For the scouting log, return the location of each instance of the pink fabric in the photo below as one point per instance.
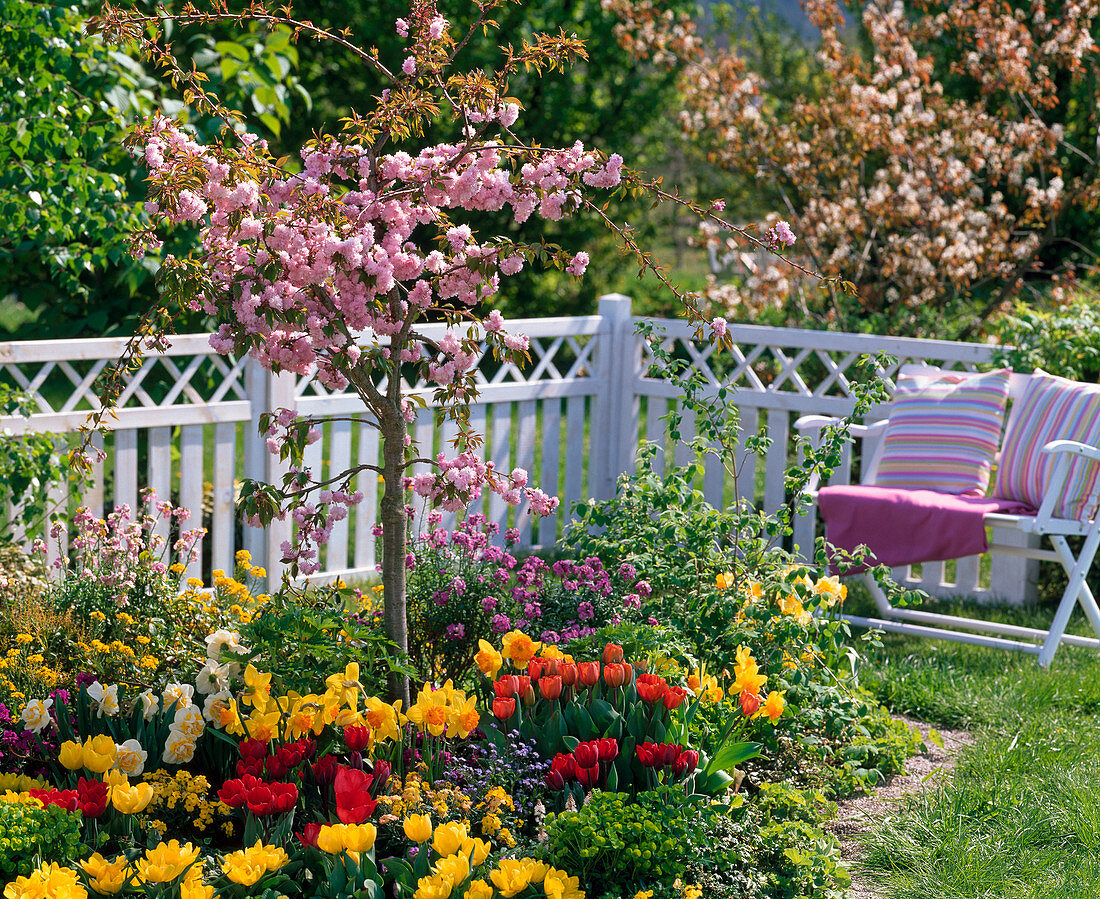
(902, 527)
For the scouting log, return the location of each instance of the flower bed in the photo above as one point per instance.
(164, 739)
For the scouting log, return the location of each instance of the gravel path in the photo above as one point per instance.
(856, 817)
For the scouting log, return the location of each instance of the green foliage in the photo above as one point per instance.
(29, 465)
(1064, 341)
(29, 835)
(611, 842)
(70, 194)
(304, 633)
(611, 101)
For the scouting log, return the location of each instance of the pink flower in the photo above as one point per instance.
(409, 65)
(578, 265)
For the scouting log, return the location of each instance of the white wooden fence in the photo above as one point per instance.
(187, 425)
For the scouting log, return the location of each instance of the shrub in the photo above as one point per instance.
(29, 832)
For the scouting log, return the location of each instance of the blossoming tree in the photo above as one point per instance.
(330, 267)
(942, 164)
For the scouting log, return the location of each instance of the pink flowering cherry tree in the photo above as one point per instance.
(328, 267)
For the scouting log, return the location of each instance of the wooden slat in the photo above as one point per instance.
(424, 435)
(574, 450)
(655, 430)
(192, 472)
(93, 495)
(366, 513)
(448, 431)
(525, 459)
(222, 521)
(551, 458)
(160, 474)
(339, 461)
(746, 461)
(683, 452)
(126, 469)
(501, 455)
(479, 424)
(776, 466)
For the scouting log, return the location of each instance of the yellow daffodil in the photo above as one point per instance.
(463, 716)
(746, 673)
(488, 659)
(773, 706)
(519, 648)
(431, 711)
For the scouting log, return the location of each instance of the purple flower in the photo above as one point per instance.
(585, 611)
(501, 624)
(488, 604)
(456, 631)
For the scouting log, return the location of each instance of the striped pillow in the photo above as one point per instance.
(944, 432)
(1052, 408)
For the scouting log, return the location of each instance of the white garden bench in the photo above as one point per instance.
(1043, 524)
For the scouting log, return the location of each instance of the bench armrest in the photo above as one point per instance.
(817, 422)
(1064, 450)
(1074, 448)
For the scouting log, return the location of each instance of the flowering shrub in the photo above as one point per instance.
(30, 829)
(120, 563)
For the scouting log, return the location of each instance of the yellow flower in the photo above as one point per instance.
(559, 885)
(512, 876)
(692, 892)
(831, 590)
(71, 755)
(455, 868)
(644, 894)
(192, 886)
(463, 716)
(106, 878)
(257, 686)
(431, 710)
(99, 753)
(177, 568)
(50, 880)
(418, 828)
(476, 851)
(132, 800)
(725, 580)
(166, 862)
(359, 837)
(343, 688)
(773, 706)
(247, 866)
(434, 886)
(330, 838)
(24, 639)
(518, 647)
(488, 659)
(449, 838)
(478, 889)
(746, 673)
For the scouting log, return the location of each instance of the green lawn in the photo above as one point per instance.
(1021, 815)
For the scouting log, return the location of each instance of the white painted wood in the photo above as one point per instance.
(683, 453)
(192, 472)
(223, 521)
(527, 426)
(551, 459)
(423, 433)
(775, 467)
(160, 475)
(93, 495)
(479, 424)
(126, 470)
(745, 461)
(501, 455)
(339, 461)
(366, 512)
(655, 431)
(574, 450)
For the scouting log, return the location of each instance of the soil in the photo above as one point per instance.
(857, 817)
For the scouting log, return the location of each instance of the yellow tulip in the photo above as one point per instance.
(359, 837)
(330, 838)
(99, 753)
(418, 828)
(132, 800)
(449, 838)
(71, 755)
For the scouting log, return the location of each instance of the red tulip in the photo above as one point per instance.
(354, 804)
(568, 673)
(687, 762)
(750, 703)
(308, 834)
(233, 792)
(554, 781)
(324, 769)
(535, 668)
(669, 752)
(607, 748)
(565, 765)
(504, 709)
(550, 686)
(381, 771)
(612, 654)
(616, 674)
(588, 777)
(588, 673)
(506, 686)
(647, 755)
(651, 687)
(674, 697)
(357, 737)
(587, 754)
(91, 797)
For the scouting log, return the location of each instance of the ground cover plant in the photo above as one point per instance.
(1019, 816)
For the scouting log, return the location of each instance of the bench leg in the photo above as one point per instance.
(1076, 591)
(882, 603)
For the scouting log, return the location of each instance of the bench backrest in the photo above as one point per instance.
(1017, 385)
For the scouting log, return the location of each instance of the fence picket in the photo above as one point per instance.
(366, 513)
(525, 459)
(191, 484)
(551, 454)
(223, 536)
(126, 468)
(502, 443)
(339, 461)
(160, 473)
(775, 467)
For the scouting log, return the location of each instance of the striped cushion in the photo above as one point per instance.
(944, 432)
(1052, 408)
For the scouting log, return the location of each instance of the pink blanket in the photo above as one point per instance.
(902, 527)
